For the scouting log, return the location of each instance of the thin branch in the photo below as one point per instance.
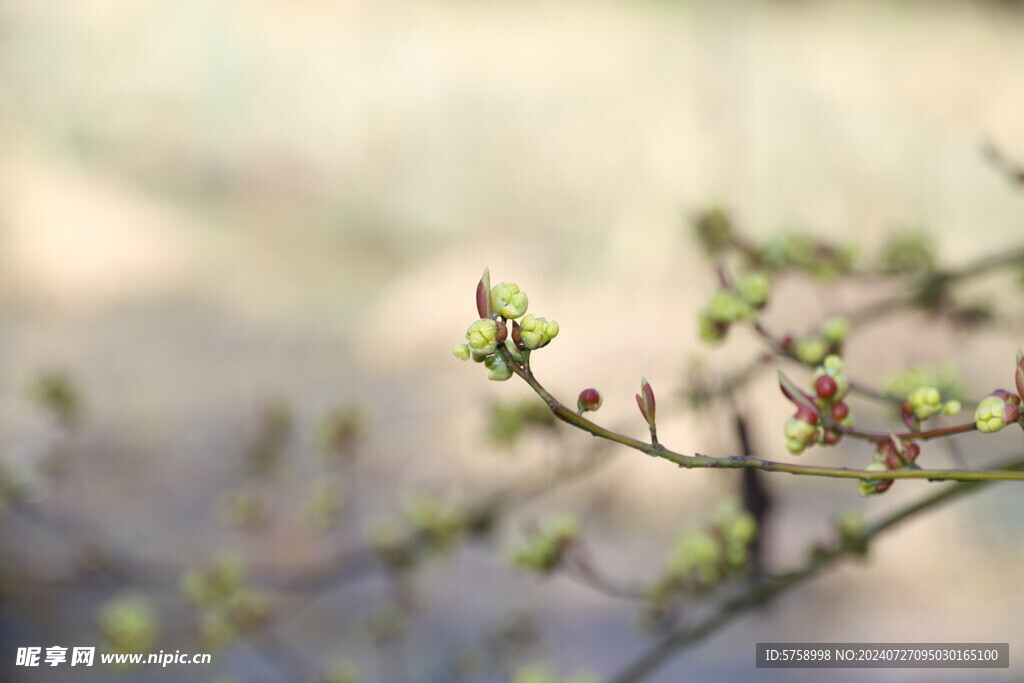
(699, 461)
(762, 593)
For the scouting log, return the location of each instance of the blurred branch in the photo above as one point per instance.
(1011, 169)
(771, 588)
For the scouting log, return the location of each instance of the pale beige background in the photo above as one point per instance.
(204, 204)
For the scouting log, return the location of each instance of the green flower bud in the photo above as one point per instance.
(461, 351)
(994, 413)
(544, 551)
(483, 336)
(833, 365)
(710, 330)
(499, 369)
(870, 488)
(537, 332)
(726, 307)
(129, 623)
(697, 554)
(951, 407)
(800, 434)
(925, 402)
(754, 288)
(508, 301)
(834, 330)
(810, 350)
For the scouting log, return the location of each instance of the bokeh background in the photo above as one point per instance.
(210, 208)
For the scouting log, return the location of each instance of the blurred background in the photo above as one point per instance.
(238, 240)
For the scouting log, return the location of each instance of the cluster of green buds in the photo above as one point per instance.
(798, 252)
(926, 402)
(128, 623)
(735, 304)
(806, 428)
(890, 454)
(489, 340)
(228, 606)
(433, 526)
(546, 548)
(998, 409)
(704, 557)
(540, 673)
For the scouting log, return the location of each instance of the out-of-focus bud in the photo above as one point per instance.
(925, 402)
(537, 332)
(839, 410)
(714, 230)
(508, 301)
(588, 401)
(995, 412)
(801, 430)
(870, 488)
(754, 288)
(829, 377)
(834, 330)
(708, 329)
(825, 386)
(461, 351)
(951, 407)
(499, 369)
(810, 350)
(726, 307)
(483, 336)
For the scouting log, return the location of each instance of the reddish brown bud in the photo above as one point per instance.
(907, 415)
(517, 336)
(1006, 396)
(825, 386)
(805, 414)
(886, 448)
(883, 486)
(893, 461)
(831, 437)
(911, 452)
(1010, 413)
(502, 331)
(589, 400)
(839, 411)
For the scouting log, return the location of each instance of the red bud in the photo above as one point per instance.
(1006, 396)
(831, 437)
(517, 336)
(589, 400)
(1010, 413)
(502, 331)
(825, 386)
(839, 411)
